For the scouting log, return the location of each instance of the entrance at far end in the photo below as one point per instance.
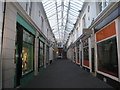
(62, 53)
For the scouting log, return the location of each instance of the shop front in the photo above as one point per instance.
(107, 48)
(85, 53)
(47, 55)
(78, 52)
(24, 52)
(41, 53)
(86, 49)
(74, 54)
(107, 53)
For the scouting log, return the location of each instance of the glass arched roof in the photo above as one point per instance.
(62, 16)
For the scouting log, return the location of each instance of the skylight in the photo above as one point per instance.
(62, 15)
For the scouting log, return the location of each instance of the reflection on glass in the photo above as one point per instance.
(41, 53)
(74, 54)
(86, 53)
(25, 59)
(47, 54)
(107, 57)
(78, 53)
(27, 53)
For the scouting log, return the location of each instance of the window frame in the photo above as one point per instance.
(33, 50)
(114, 36)
(85, 44)
(99, 72)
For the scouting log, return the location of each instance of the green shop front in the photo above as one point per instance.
(24, 52)
(41, 53)
(47, 53)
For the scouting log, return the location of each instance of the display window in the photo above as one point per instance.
(41, 53)
(24, 50)
(47, 54)
(27, 53)
(85, 53)
(74, 55)
(107, 56)
(78, 53)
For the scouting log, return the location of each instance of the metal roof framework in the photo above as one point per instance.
(62, 16)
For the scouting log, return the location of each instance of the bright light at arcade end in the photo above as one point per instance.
(55, 50)
(62, 16)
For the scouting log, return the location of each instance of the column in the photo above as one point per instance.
(36, 55)
(1, 21)
(90, 53)
(95, 61)
(118, 42)
(80, 54)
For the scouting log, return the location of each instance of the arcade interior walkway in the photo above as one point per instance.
(65, 74)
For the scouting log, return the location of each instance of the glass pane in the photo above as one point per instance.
(47, 53)
(74, 55)
(27, 60)
(78, 51)
(75, 6)
(108, 60)
(41, 53)
(27, 37)
(86, 53)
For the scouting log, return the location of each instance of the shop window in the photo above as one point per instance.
(41, 54)
(74, 54)
(86, 56)
(27, 53)
(85, 53)
(47, 54)
(78, 57)
(107, 57)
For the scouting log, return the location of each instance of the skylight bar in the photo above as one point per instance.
(45, 1)
(53, 14)
(76, 8)
(47, 4)
(78, 3)
(49, 8)
(74, 12)
(73, 9)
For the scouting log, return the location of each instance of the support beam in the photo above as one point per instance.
(62, 8)
(67, 18)
(57, 18)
